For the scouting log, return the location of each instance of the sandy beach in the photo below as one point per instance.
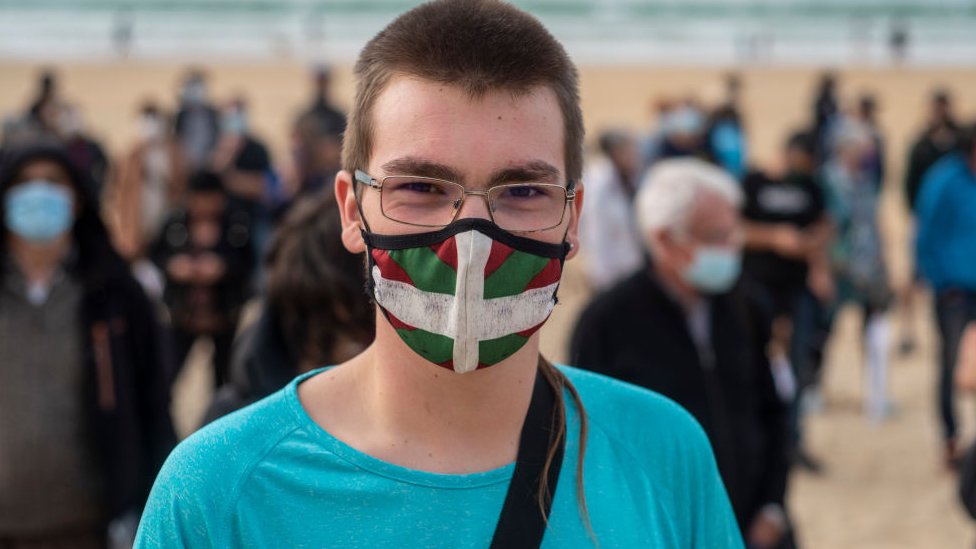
(884, 487)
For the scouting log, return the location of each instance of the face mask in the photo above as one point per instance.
(714, 270)
(150, 128)
(195, 93)
(38, 211)
(234, 123)
(467, 296)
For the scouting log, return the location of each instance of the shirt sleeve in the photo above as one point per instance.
(181, 511)
(931, 227)
(713, 522)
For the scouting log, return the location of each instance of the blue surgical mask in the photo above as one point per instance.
(234, 123)
(38, 211)
(715, 269)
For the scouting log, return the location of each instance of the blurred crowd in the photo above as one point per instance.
(716, 283)
(719, 281)
(112, 268)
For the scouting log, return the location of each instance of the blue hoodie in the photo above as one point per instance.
(946, 245)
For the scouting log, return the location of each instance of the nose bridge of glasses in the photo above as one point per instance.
(464, 206)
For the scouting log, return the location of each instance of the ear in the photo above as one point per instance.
(572, 232)
(345, 193)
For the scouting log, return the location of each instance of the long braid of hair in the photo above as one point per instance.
(558, 382)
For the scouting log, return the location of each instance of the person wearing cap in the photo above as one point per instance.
(84, 374)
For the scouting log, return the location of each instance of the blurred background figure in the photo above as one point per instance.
(86, 153)
(204, 251)
(85, 376)
(146, 187)
(826, 107)
(314, 313)
(947, 260)
(787, 235)
(726, 134)
(244, 164)
(196, 124)
(857, 255)
(40, 118)
(940, 136)
(317, 135)
(608, 231)
(684, 328)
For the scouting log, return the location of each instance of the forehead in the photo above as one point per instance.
(45, 169)
(474, 136)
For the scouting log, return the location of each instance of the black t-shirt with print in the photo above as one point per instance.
(797, 200)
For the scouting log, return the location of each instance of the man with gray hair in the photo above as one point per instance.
(684, 327)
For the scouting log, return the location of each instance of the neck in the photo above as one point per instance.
(686, 295)
(38, 262)
(410, 412)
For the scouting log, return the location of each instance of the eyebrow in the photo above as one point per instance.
(410, 165)
(535, 171)
(532, 171)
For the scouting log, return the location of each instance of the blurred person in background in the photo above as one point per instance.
(196, 125)
(244, 164)
(787, 235)
(204, 251)
(317, 134)
(965, 380)
(84, 369)
(683, 133)
(941, 136)
(683, 327)
(145, 192)
(726, 134)
(826, 108)
(857, 255)
(867, 114)
(315, 312)
(946, 248)
(147, 189)
(608, 230)
(40, 119)
(85, 151)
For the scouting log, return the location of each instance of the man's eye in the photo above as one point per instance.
(419, 187)
(523, 191)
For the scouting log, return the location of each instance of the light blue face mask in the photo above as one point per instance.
(715, 269)
(38, 211)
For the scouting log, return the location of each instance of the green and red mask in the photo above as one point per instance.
(467, 296)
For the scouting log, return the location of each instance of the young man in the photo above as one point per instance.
(460, 181)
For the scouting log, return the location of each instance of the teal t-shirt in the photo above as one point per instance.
(269, 476)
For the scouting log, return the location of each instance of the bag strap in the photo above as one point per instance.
(522, 523)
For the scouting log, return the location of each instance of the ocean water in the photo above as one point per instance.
(721, 32)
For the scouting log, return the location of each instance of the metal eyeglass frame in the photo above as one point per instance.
(377, 184)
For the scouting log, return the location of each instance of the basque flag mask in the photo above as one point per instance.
(467, 296)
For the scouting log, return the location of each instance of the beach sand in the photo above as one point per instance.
(884, 487)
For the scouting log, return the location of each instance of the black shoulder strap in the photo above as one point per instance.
(522, 523)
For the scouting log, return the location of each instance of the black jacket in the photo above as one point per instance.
(925, 152)
(637, 333)
(127, 366)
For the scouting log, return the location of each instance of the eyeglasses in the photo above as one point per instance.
(431, 202)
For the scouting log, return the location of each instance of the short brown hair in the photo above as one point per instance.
(477, 45)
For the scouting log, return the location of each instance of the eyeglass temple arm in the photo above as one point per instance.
(366, 179)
